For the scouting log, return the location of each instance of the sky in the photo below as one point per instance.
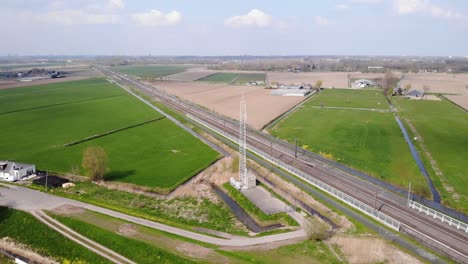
(242, 27)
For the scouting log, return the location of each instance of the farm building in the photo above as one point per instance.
(12, 171)
(291, 92)
(414, 94)
(362, 83)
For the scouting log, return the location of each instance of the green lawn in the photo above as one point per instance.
(184, 212)
(133, 249)
(150, 71)
(373, 99)
(250, 77)
(220, 77)
(158, 154)
(45, 117)
(368, 141)
(25, 229)
(444, 131)
(108, 231)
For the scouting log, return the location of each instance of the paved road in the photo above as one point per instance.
(31, 200)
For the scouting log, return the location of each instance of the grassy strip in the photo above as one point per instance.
(184, 213)
(260, 217)
(135, 250)
(25, 229)
(111, 132)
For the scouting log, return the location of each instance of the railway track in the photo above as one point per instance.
(431, 232)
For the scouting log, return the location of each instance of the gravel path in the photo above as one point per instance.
(31, 200)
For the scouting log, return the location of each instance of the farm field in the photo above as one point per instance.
(224, 99)
(442, 129)
(150, 71)
(443, 83)
(347, 98)
(366, 140)
(250, 77)
(189, 75)
(460, 100)
(220, 77)
(77, 110)
(23, 228)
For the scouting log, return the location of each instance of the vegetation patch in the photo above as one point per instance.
(25, 229)
(150, 71)
(368, 141)
(443, 129)
(141, 154)
(260, 217)
(220, 77)
(250, 77)
(181, 212)
(133, 249)
(349, 98)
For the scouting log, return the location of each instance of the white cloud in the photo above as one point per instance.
(255, 18)
(156, 18)
(322, 21)
(367, 1)
(342, 6)
(116, 4)
(423, 6)
(71, 17)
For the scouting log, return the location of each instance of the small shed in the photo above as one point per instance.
(52, 181)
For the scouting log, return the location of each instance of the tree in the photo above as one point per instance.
(95, 163)
(388, 82)
(318, 84)
(407, 87)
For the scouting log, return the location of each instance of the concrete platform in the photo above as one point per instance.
(265, 200)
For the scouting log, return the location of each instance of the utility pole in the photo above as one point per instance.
(409, 193)
(295, 150)
(46, 177)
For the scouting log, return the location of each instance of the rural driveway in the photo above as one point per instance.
(31, 200)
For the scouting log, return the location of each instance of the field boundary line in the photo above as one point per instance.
(455, 104)
(287, 113)
(112, 132)
(80, 239)
(349, 108)
(157, 109)
(233, 80)
(59, 104)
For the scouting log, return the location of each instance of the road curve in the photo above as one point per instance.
(31, 200)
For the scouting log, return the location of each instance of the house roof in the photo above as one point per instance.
(11, 165)
(415, 93)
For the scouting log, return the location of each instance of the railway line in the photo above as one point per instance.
(432, 233)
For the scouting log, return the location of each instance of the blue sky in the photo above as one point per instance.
(253, 27)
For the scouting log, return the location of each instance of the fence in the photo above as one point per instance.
(437, 215)
(368, 210)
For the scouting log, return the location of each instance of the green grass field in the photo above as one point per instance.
(444, 131)
(150, 71)
(372, 99)
(25, 229)
(250, 77)
(141, 239)
(146, 155)
(133, 249)
(368, 141)
(220, 77)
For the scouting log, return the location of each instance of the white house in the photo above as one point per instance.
(363, 83)
(12, 171)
